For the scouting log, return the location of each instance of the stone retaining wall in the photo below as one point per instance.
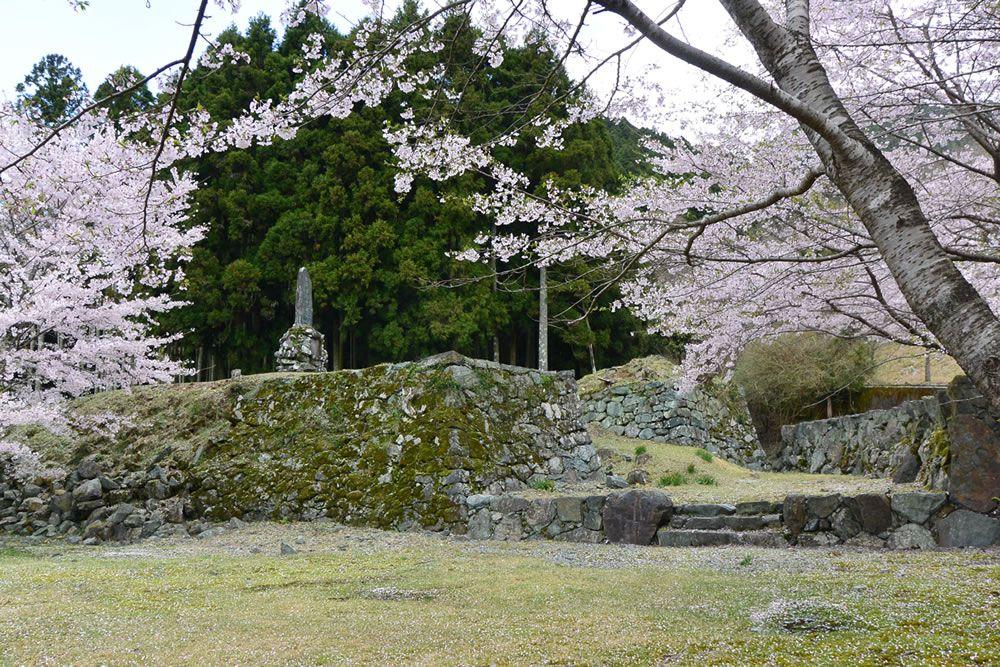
(877, 443)
(949, 441)
(714, 418)
(395, 446)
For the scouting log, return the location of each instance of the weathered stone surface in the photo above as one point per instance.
(911, 536)
(758, 507)
(845, 523)
(742, 523)
(706, 509)
(569, 509)
(822, 506)
(303, 298)
(974, 474)
(541, 512)
(872, 512)
(963, 528)
(906, 468)
(672, 537)
(616, 482)
(917, 506)
(633, 517)
(698, 522)
(637, 477)
(88, 491)
(88, 468)
(794, 513)
(480, 526)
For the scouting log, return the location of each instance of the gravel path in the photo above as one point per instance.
(322, 537)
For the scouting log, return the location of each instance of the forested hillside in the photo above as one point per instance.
(385, 287)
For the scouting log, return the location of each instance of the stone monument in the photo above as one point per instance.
(302, 348)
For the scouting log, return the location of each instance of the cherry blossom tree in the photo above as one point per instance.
(854, 189)
(94, 215)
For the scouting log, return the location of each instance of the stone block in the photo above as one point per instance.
(670, 537)
(633, 517)
(569, 509)
(963, 528)
(974, 473)
(917, 506)
(911, 536)
(707, 509)
(872, 511)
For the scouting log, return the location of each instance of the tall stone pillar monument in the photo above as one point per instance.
(301, 348)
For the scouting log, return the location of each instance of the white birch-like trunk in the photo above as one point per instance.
(543, 320)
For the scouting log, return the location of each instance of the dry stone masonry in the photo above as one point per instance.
(949, 441)
(712, 416)
(880, 443)
(901, 520)
(395, 446)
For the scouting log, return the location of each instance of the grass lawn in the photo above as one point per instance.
(356, 596)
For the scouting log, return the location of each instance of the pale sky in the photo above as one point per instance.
(149, 33)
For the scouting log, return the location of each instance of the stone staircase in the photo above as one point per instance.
(715, 524)
(905, 519)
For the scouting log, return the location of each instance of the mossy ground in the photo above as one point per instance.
(733, 483)
(367, 597)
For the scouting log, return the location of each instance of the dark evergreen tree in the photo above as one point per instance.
(385, 287)
(53, 91)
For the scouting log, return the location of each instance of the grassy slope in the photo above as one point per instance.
(525, 603)
(733, 483)
(904, 365)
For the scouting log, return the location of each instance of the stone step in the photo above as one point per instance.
(758, 507)
(735, 522)
(682, 537)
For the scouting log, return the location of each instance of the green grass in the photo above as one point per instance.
(703, 455)
(543, 485)
(734, 483)
(673, 479)
(640, 450)
(706, 480)
(427, 601)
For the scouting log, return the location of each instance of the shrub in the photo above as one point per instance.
(640, 450)
(673, 479)
(543, 485)
(706, 480)
(703, 455)
(690, 468)
(788, 377)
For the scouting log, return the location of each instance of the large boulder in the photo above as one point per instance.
(633, 517)
(917, 506)
(963, 528)
(975, 463)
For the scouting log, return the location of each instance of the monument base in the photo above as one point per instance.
(301, 350)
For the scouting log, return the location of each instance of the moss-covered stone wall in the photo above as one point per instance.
(393, 446)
